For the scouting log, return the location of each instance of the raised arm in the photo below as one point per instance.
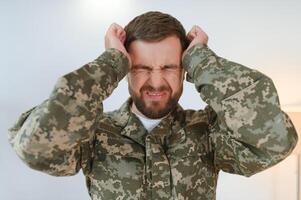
(52, 136)
(248, 130)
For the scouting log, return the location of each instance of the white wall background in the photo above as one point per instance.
(42, 40)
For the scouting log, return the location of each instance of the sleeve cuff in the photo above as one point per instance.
(115, 58)
(196, 55)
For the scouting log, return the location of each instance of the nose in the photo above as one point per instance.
(156, 79)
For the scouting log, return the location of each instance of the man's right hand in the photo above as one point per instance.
(196, 35)
(115, 37)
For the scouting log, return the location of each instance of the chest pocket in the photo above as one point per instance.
(191, 141)
(116, 157)
(117, 168)
(191, 162)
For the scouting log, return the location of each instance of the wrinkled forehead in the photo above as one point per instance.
(164, 52)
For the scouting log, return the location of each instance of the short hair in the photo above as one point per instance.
(154, 26)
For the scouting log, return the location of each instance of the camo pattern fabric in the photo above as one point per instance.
(242, 130)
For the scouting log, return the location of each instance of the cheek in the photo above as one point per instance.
(135, 83)
(175, 82)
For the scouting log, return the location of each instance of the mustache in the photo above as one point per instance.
(152, 89)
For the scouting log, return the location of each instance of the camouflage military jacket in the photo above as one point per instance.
(241, 131)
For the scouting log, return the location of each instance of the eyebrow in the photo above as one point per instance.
(149, 67)
(140, 66)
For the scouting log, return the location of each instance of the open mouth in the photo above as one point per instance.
(155, 95)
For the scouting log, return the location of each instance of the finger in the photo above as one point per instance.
(118, 32)
(118, 27)
(201, 31)
(190, 37)
(122, 37)
(194, 30)
(122, 40)
(191, 34)
(197, 28)
(112, 29)
(114, 26)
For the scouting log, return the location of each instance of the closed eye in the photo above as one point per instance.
(171, 67)
(140, 68)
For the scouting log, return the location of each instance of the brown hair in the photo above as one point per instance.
(154, 26)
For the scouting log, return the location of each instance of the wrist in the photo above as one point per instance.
(194, 56)
(117, 60)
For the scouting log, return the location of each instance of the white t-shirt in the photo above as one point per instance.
(149, 124)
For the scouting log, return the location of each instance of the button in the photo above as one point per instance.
(166, 183)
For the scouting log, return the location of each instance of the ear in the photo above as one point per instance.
(183, 75)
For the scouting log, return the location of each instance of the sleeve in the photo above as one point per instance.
(50, 137)
(248, 131)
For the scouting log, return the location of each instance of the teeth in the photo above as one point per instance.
(154, 94)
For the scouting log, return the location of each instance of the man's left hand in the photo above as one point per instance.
(196, 35)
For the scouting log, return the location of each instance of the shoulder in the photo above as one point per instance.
(206, 115)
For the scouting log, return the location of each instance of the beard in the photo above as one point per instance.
(155, 109)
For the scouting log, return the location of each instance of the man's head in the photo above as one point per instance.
(155, 42)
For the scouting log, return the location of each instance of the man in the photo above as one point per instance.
(151, 148)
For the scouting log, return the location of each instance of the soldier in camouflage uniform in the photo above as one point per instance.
(242, 130)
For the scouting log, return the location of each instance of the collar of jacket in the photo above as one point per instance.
(164, 133)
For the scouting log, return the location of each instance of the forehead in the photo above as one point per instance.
(166, 51)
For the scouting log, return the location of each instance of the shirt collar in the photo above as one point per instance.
(132, 127)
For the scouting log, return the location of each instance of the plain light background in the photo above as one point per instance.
(43, 40)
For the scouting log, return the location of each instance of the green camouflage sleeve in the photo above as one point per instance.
(248, 131)
(48, 137)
